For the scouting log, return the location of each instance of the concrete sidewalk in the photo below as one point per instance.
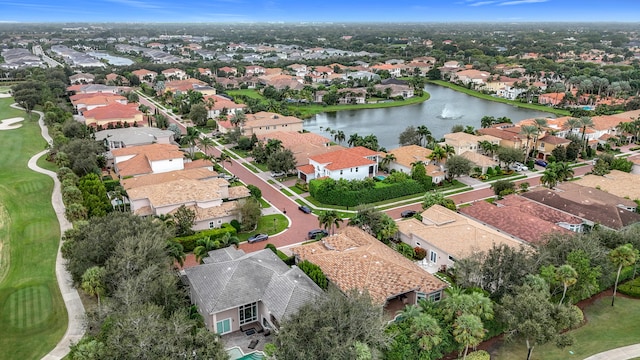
(621, 353)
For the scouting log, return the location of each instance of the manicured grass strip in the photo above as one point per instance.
(607, 328)
(262, 167)
(251, 93)
(286, 192)
(477, 94)
(265, 226)
(296, 190)
(251, 167)
(264, 204)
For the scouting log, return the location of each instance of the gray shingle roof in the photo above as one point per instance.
(231, 278)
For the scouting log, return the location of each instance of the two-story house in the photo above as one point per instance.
(354, 163)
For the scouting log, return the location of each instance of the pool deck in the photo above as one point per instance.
(241, 340)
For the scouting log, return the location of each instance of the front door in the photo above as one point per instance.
(223, 326)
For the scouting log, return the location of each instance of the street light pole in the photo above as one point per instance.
(274, 225)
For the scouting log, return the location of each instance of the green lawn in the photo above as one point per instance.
(251, 93)
(477, 94)
(32, 311)
(266, 226)
(309, 110)
(607, 328)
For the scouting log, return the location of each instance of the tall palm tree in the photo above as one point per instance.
(329, 220)
(563, 170)
(623, 255)
(93, 282)
(426, 330)
(426, 136)
(529, 131)
(386, 161)
(568, 276)
(205, 245)
(354, 139)
(339, 136)
(190, 138)
(224, 157)
(540, 124)
(585, 122)
(238, 119)
(572, 124)
(468, 330)
(448, 150)
(437, 154)
(549, 178)
(206, 143)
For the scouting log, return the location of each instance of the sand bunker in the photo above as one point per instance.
(5, 95)
(8, 124)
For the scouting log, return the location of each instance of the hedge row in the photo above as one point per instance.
(381, 191)
(190, 242)
(631, 288)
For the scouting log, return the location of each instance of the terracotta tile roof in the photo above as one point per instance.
(587, 203)
(353, 259)
(291, 139)
(464, 139)
(200, 163)
(202, 214)
(511, 220)
(99, 99)
(347, 158)
(238, 192)
(221, 102)
(306, 169)
(180, 192)
(554, 140)
(479, 159)
(264, 118)
(151, 179)
(628, 115)
(606, 122)
(137, 165)
(406, 155)
(140, 163)
(143, 72)
(183, 85)
(453, 233)
(113, 111)
(618, 183)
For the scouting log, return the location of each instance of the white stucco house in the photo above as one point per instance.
(354, 163)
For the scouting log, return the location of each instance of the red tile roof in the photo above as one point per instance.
(347, 158)
(113, 111)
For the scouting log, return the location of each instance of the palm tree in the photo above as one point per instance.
(205, 245)
(568, 276)
(585, 122)
(190, 139)
(448, 150)
(222, 158)
(386, 161)
(437, 154)
(238, 119)
(339, 136)
(210, 103)
(571, 124)
(93, 282)
(354, 140)
(328, 219)
(425, 134)
(227, 239)
(206, 143)
(623, 255)
(529, 131)
(468, 330)
(563, 170)
(540, 124)
(426, 330)
(549, 178)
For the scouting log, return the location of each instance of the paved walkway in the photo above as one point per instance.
(75, 309)
(621, 353)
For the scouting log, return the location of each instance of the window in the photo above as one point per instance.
(211, 225)
(421, 296)
(435, 296)
(356, 169)
(223, 326)
(340, 172)
(248, 313)
(433, 256)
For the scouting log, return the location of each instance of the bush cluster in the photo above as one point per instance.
(314, 272)
(478, 355)
(190, 242)
(356, 192)
(419, 253)
(631, 288)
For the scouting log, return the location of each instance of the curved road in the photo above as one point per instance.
(75, 309)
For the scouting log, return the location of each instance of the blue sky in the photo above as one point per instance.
(322, 11)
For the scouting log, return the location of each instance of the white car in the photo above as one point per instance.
(516, 166)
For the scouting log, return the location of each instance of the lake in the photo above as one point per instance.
(444, 109)
(113, 60)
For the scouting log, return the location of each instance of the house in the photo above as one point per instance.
(354, 163)
(174, 74)
(522, 218)
(463, 142)
(592, 205)
(508, 134)
(448, 236)
(115, 79)
(355, 260)
(233, 289)
(220, 104)
(481, 161)
(551, 98)
(151, 159)
(547, 143)
(346, 96)
(145, 75)
(264, 122)
(229, 71)
(394, 90)
(205, 72)
(134, 136)
(177, 87)
(394, 70)
(406, 156)
(618, 183)
(211, 199)
(476, 77)
(96, 88)
(84, 102)
(254, 70)
(81, 78)
(114, 114)
(303, 145)
(299, 70)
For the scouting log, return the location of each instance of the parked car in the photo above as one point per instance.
(277, 174)
(315, 232)
(540, 162)
(304, 209)
(516, 166)
(257, 237)
(408, 213)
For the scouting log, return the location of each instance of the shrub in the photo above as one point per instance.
(272, 248)
(420, 253)
(356, 192)
(479, 355)
(190, 242)
(631, 288)
(236, 225)
(314, 272)
(110, 185)
(579, 316)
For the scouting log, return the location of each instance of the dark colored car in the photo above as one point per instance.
(304, 209)
(315, 232)
(408, 213)
(541, 163)
(257, 237)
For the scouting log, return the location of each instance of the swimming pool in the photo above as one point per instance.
(235, 353)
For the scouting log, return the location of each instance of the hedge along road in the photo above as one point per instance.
(32, 311)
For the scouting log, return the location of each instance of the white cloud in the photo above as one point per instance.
(136, 3)
(482, 3)
(519, 2)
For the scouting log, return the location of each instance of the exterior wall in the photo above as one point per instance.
(204, 224)
(105, 122)
(232, 314)
(161, 166)
(397, 167)
(261, 130)
(442, 257)
(357, 173)
(210, 203)
(139, 203)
